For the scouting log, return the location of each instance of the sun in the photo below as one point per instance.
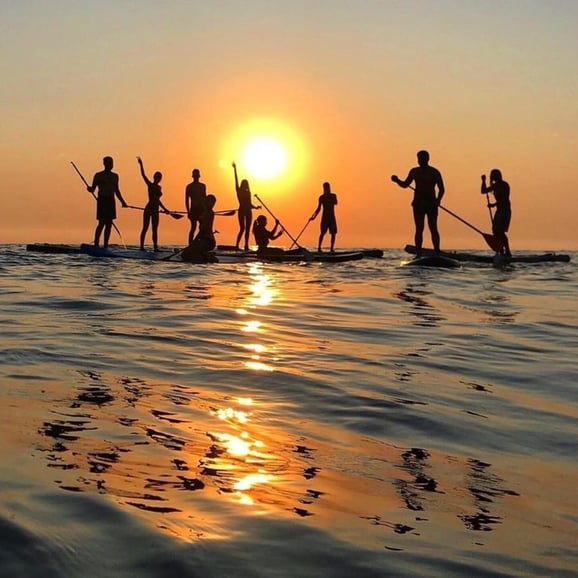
(265, 158)
(271, 153)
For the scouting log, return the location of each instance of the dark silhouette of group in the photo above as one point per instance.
(425, 180)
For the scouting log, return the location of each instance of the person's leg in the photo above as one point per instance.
(419, 221)
(248, 219)
(107, 229)
(507, 251)
(432, 221)
(155, 230)
(145, 227)
(192, 230)
(98, 232)
(241, 220)
(332, 247)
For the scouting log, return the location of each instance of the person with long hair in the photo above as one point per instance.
(151, 210)
(263, 235)
(503, 215)
(245, 210)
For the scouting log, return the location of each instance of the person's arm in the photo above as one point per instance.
(316, 211)
(236, 177)
(163, 207)
(485, 190)
(274, 233)
(92, 188)
(441, 187)
(187, 200)
(119, 194)
(142, 171)
(406, 183)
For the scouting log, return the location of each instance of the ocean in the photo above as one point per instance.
(286, 420)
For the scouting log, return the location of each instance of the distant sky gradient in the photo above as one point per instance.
(356, 87)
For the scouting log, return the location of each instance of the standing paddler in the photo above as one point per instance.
(106, 182)
(503, 215)
(425, 202)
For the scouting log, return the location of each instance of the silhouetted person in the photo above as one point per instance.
(503, 215)
(263, 235)
(245, 210)
(327, 202)
(199, 251)
(107, 184)
(425, 203)
(195, 197)
(151, 210)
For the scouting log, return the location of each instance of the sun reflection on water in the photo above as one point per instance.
(240, 454)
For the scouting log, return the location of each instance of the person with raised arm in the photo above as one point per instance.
(503, 215)
(327, 202)
(425, 203)
(106, 182)
(195, 197)
(245, 210)
(151, 210)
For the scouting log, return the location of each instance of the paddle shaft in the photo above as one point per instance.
(493, 242)
(301, 232)
(95, 197)
(172, 214)
(462, 220)
(277, 220)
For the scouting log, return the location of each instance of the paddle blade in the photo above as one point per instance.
(176, 216)
(494, 243)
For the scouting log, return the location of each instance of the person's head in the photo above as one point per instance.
(108, 163)
(196, 174)
(158, 177)
(210, 201)
(244, 185)
(422, 158)
(495, 175)
(261, 221)
(326, 187)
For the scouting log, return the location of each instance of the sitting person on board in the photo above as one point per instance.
(151, 210)
(425, 203)
(107, 184)
(503, 215)
(245, 210)
(195, 197)
(327, 202)
(200, 250)
(263, 235)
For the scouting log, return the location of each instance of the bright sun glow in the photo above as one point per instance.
(269, 153)
(265, 158)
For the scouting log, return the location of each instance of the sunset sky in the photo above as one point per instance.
(349, 91)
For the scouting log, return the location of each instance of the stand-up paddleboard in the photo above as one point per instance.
(120, 253)
(439, 261)
(53, 248)
(478, 258)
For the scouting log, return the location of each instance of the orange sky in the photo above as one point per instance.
(360, 88)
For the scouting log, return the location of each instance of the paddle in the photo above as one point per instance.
(487, 199)
(174, 214)
(227, 213)
(303, 230)
(306, 253)
(494, 243)
(95, 198)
